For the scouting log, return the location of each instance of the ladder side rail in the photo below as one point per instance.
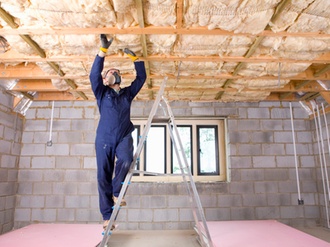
(107, 232)
(181, 156)
(190, 188)
(192, 183)
(178, 154)
(116, 207)
(197, 199)
(184, 177)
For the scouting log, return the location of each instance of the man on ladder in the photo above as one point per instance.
(114, 131)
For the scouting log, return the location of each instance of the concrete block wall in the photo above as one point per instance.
(10, 139)
(321, 150)
(263, 164)
(58, 183)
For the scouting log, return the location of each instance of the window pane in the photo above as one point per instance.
(155, 149)
(207, 147)
(136, 139)
(185, 136)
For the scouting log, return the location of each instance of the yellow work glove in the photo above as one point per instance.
(131, 54)
(105, 43)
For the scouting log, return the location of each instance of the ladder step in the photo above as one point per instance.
(154, 173)
(161, 120)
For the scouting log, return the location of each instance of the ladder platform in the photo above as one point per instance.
(161, 120)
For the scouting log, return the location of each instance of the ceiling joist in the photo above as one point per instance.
(208, 52)
(32, 71)
(155, 30)
(12, 56)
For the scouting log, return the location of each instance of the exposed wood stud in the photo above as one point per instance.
(157, 30)
(309, 96)
(33, 45)
(140, 14)
(27, 95)
(8, 18)
(326, 96)
(56, 68)
(179, 14)
(12, 56)
(322, 71)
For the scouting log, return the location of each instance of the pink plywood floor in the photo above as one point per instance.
(53, 235)
(259, 233)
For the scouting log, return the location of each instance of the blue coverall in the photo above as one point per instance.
(114, 133)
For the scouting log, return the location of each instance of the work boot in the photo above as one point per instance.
(122, 203)
(105, 225)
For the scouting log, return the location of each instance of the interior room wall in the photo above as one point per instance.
(320, 129)
(58, 183)
(10, 148)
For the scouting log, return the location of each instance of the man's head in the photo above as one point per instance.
(111, 77)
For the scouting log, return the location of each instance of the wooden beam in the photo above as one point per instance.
(300, 85)
(56, 68)
(219, 95)
(249, 53)
(51, 94)
(308, 96)
(34, 85)
(254, 46)
(179, 14)
(56, 96)
(29, 70)
(16, 101)
(154, 30)
(32, 71)
(47, 86)
(279, 9)
(276, 97)
(8, 18)
(34, 45)
(326, 96)
(82, 95)
(27, 95)
(12, 56)
(322, 71)
(60, 96)
(317, 74)
(140, 14)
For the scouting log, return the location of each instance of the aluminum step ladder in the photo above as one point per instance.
(196, 206)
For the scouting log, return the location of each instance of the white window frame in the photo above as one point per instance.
(194, 122)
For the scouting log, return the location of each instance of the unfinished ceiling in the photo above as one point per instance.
(221, 50)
